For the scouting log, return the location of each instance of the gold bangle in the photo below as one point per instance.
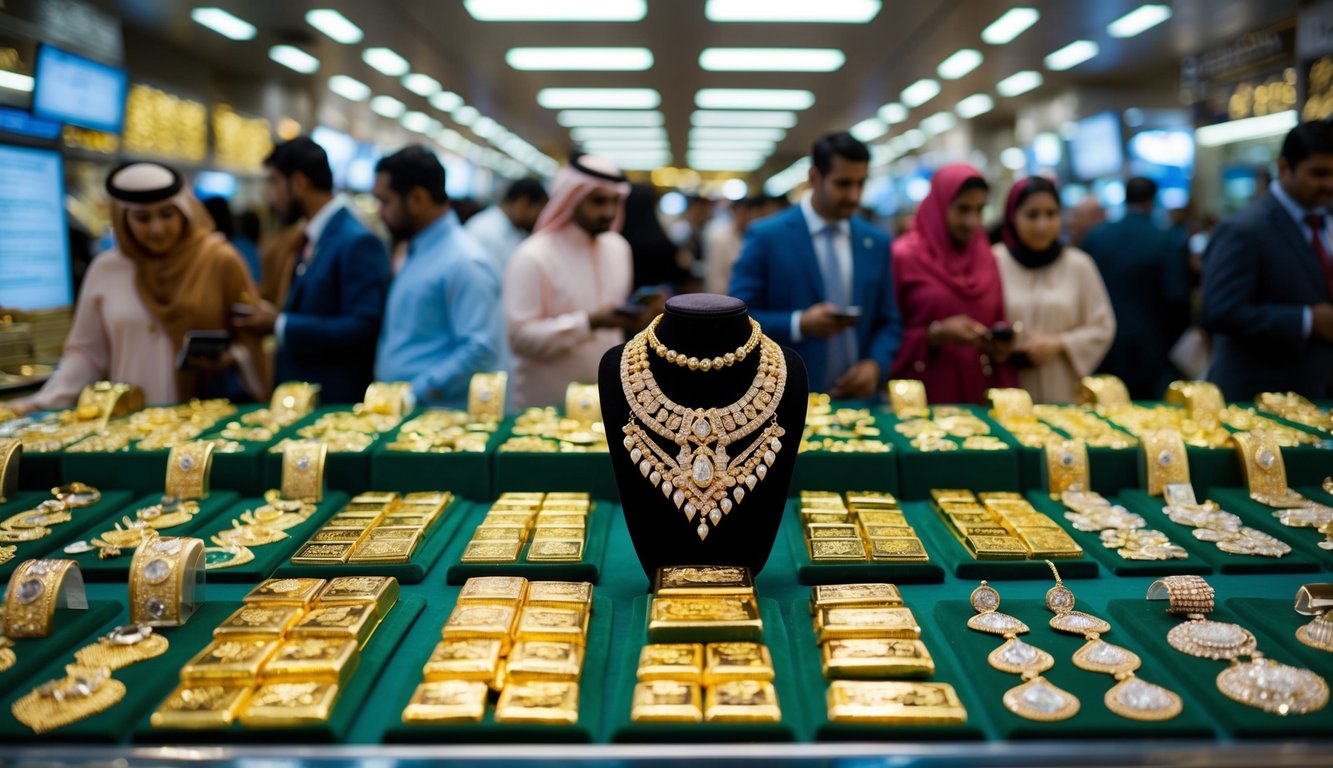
(1165, 459)
(1202, 400)
(1010, 403)
(1264, 470)
(1103, 390)
(583, 403)
(188, 468)
(1066, 466)
(388, 398)
(293, 399)
(907, 398)
(163, 577)
(303, 470)
(486, 397)
(11, 449)
(35, 589)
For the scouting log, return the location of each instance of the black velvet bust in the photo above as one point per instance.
(703, 325)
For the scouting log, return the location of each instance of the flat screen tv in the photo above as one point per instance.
(78, 91)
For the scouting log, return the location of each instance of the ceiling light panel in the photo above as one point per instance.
(1010, 25)
(580, 59)
(749, 134)
(974, 105)
(869, 129)
(420, 122)
(1139, 20)
(742, 119)
(349, 88)
(446, 101)
(753, 98)
(771, 59)
(1071, 55)
(807, 11)
(421, 85)
(572, 118)
(599, 98)
(892, 113)
(938, 123)
(224, 23)
(294, 59)
(387, 106)
(919, 93)
(335, 26)
(959, 64)
(557, 10)
(1019, 83)
(385, 61)
(585, 134)
(466, 115)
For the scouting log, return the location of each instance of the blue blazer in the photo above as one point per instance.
(333, 312)
(778, 273)
(1259, 274)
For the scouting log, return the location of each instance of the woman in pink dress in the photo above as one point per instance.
(949, 292)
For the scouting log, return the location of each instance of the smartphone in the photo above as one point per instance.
(1002, 332)
(211, 344)
(848, 313)
(243, 310)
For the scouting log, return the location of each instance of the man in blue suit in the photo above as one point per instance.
(818, 279)
(1268, 281)
(329, 324)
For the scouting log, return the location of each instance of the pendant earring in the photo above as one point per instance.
(1013, 656)
(1039, 699)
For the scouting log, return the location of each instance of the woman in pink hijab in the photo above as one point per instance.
(949, 292)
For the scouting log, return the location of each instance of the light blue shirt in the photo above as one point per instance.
(443, 319)
(1297, 212)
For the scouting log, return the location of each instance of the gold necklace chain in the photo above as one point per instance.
(706, 363)
(701, 479)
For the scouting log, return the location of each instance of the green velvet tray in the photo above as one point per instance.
(955, 558)
(1212, 468)
(143, 472)
(1306, 464)
(1093, 720)
(343, 470)
(466, 474)
(587, 569)
(376, 656)
(792, 727)
(814, 689)
(592, 690)
(269, 556)
(118, 569)
(1110, 469)
(72, 629)
(1280, 621)
(810, 572)
(412, 572)
(847, 471)
(919, 472)
(1150, 508)
(1302, 540)
(1092, 542)
(1149, 622)
(40, 471)
(85, 519)
(146, 684)
(589, 472)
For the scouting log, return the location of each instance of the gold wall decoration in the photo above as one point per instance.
(158, 123)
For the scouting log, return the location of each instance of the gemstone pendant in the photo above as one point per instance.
(702, 530)
(996, 623)
(1097, 655)
(1079, 623)
(1273, 687)
(1038, 699)
(1017, 657)
(1137, 699)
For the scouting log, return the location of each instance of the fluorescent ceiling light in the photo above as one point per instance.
(349, 88)
(16, 81)
(580, 59)
(824, 11)
(589, 134)
(1071, 55)
(1247, 129)
(387, 106)
(486, 128)
(753, 98)
(610, 118)
(938, 123)
(749, 134)
(557, 10)
(919, 93)
(386, 61)
(1019, 83)
(421, 85)
(724, 149)
(294, 58)
(869, 129)
(914, 138)
(466, 115)
(733, 164)
(1139, 20)
(976, 104)
(1013, 158)
(959, 64)
(446, 101)
(599, 98)
(609, 144)
(1011, 24)
(892, 112)
(416, 121)
(743, 119)
(224, 23)
(335, 25)
(771, 59)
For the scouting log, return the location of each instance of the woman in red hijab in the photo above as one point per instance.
(949, 292)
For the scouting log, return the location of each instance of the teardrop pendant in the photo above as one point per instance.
(1038, 699)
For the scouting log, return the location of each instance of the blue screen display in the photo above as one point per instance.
(72, 89)
(34, 243)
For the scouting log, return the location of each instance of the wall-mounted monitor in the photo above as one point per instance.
(215, 184)
(1097, 148)
(34, 241)
(78, 91)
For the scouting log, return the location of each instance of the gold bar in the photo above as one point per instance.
(838, 623)
(1056, 544)
(835, 518)
(375, 497)
(942, 495)
(881, 517)
(537, 660)
(381, 591)
(666, 701)
(822, 550)
(986, 496)
(447, 701)
(890, 532)
(703, 580)
(473, 659)
(298, 592)
(567, 496)
(356, 622)
(532, 497)
(329, 535)
(320, 660)
(983, 529)
(742, 701)
(681, 662)
(876, 657)
(491, 551)
(869, 595)
(321, 553)
(995, 548)
(386, 550)
(223, 662)
(546, 520)
(898, 550)
(552, 624)
(409, 519)
(542, 533)
(724, 662)
(290, 704)
(499, 533)
(511, 518)
(830, 531)
(192, 707)
(721, 618)
(894, 703)
(559, 594)
(542, 703)
(486, 622)
(555, 551)
(494, 590)
(257, 621)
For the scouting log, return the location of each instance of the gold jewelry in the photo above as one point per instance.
(7, 655)
(1294, 407)
(1316, 600)
(1039, 699)
(188, 469)
(907, 398)
(11, 449)
(162, 581)
(583, 406)
(1165, 458)
(703, 480)
(1138, 699)
(703, 364)
(1066, 466)
(1273, 687)
(35, 589)
(388, 398)
(1014, 655)
(1104, 391)
(1217, 526)
(7, 553)
(77, 495)
(303, 470)
(486, 397)
(1010, 403)
(121, 647)
(291, 400)
(1060, 601)
(1192, 597)
(44, 515)
(217, 558)
(1265, 471)
(1318, 633)
(80, 694)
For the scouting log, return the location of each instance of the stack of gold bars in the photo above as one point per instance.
(842, 430)
(524, 641)
(283, 658)
(1002, 526)
(705, 660)
(378, 527)
(553, 527)
(873, 655)
(869, 526)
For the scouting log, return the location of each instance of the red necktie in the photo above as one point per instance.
(1316, 224)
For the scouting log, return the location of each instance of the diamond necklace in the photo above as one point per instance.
(702, 479)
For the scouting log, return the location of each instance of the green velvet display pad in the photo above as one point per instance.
(785, 683)
(84, 520)
(1092, 543)
(40, 471)
(810, 572)
(467, 474)
(591, 472)
(588, 569)
(1254, 514)
(269, 556)
(1149, 622)
(1150, 508)
(947, 551)
(1280, 621)
(1110, 469)
(412, 572)
(814, 689)
(1306, 464)
(592, 690)
(71, 630)
(847, 471)
(375, 656)
(118, 568)
(146, 683)
(1213, 468)
(919, 472)
(343, 470)
(1093, 719)
(144, 471)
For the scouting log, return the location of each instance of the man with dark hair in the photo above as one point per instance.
(443, 322)
(503, 226)
(331, 317)
(1268, 282)
(817, 278)
(1146, 272)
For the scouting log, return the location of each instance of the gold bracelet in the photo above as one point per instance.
(162, 580)
(1189, 595)
(1010, 403)
(57, 703)
(34, 591)
(1202, 400)
(705, 363)
(907, 398)
(583, 403)
(121, 647)
(303, 470)
(188, 468)
(1103, 390)
(11, 449)
(293, 399)
(389, 398)
(1066, 466)
(486, 397)
(1265, 472)
(77, 495)
(1165, 458)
